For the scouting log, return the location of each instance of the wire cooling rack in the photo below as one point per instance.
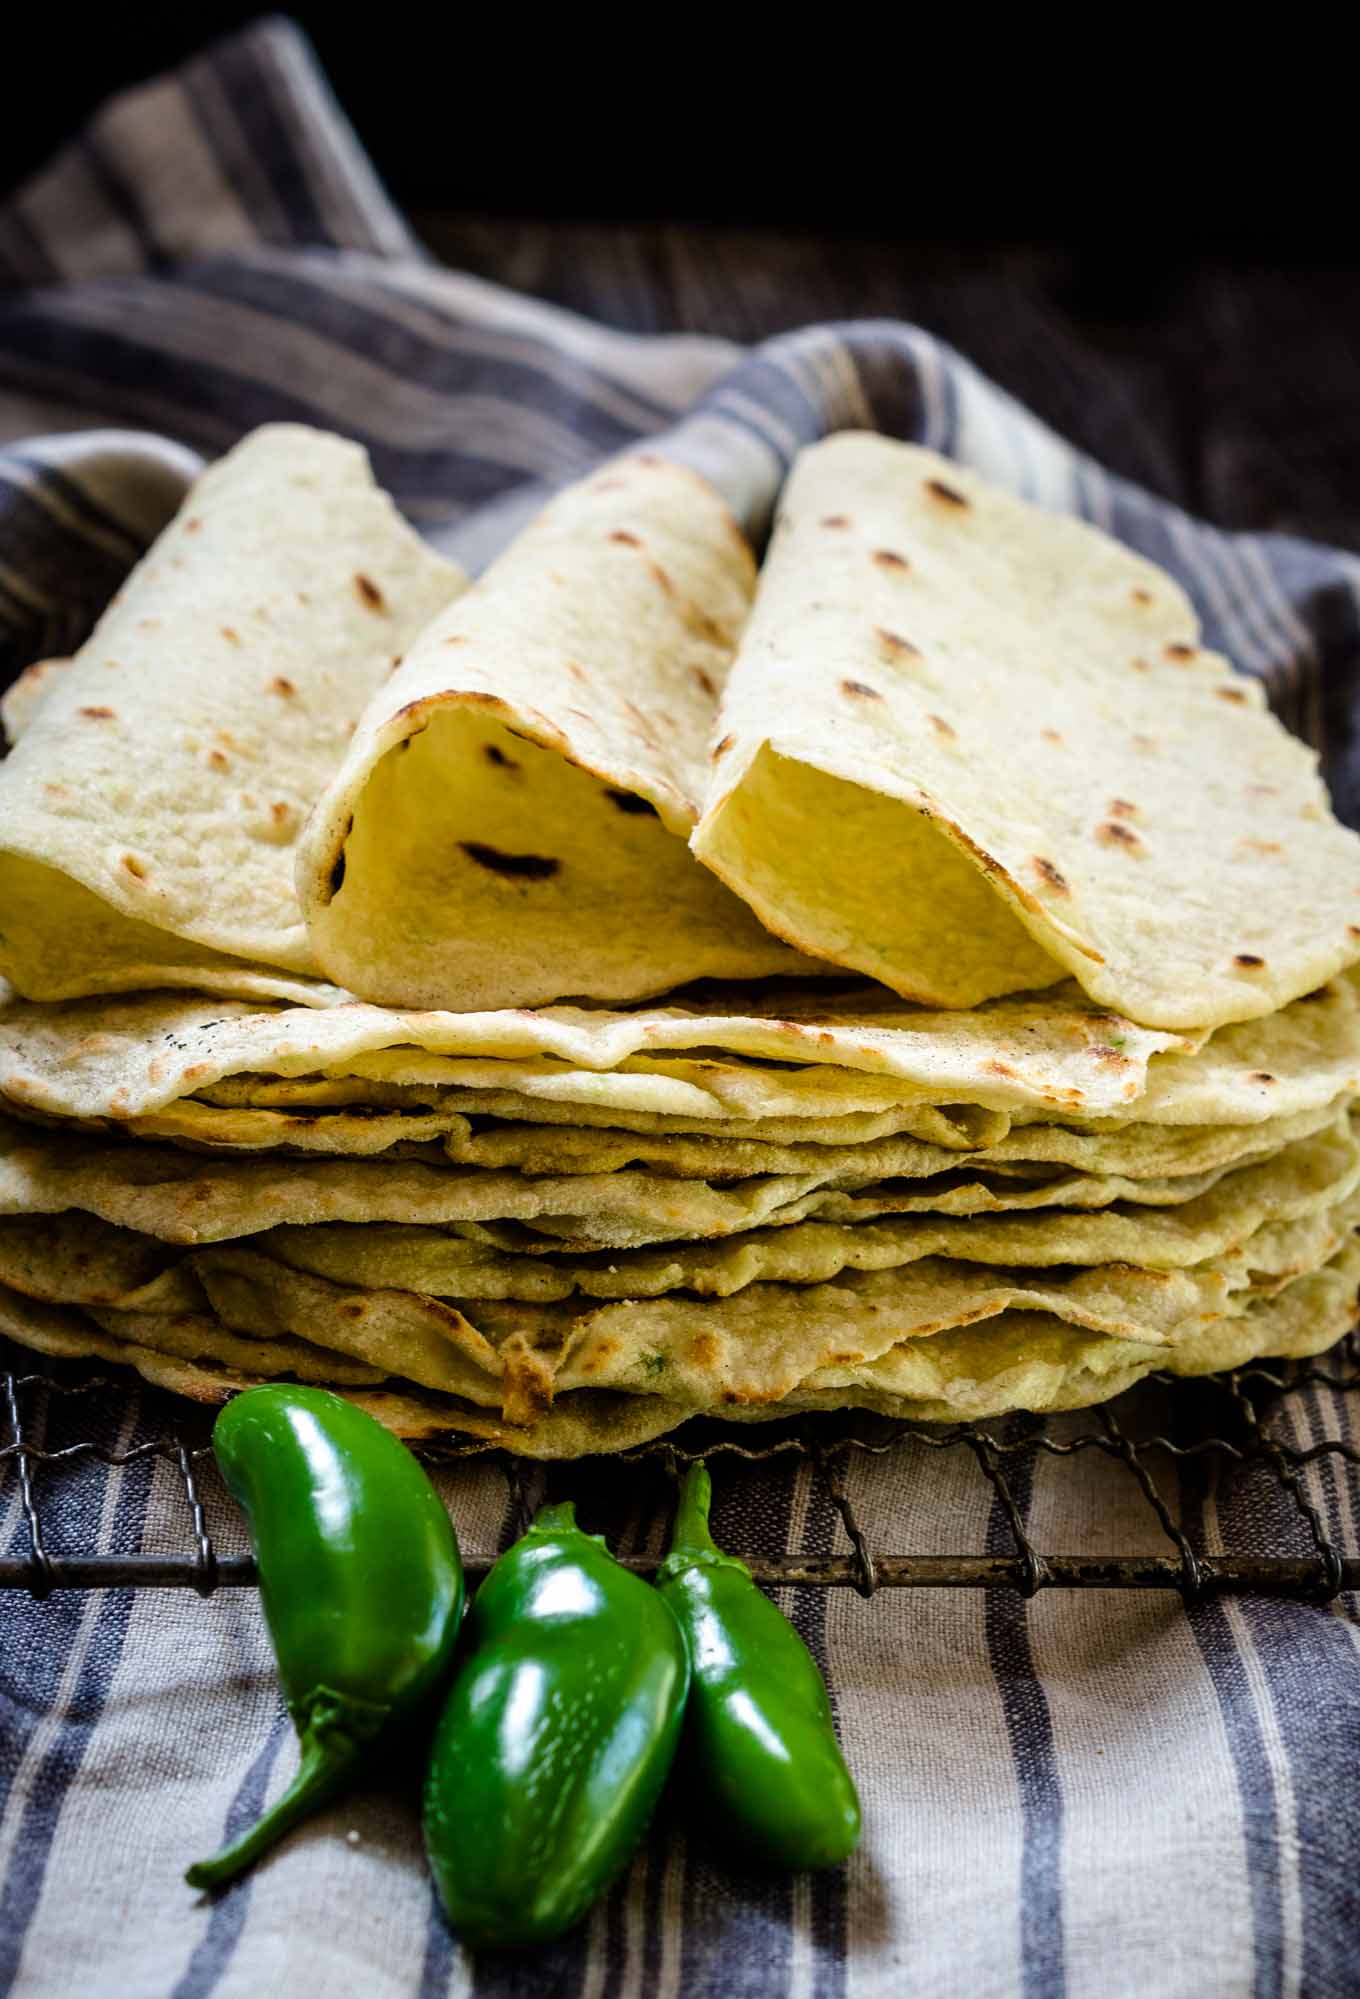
(1233, 1437)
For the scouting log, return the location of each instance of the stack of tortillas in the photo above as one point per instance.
(621, 989)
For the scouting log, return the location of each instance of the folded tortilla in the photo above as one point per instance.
(510, 823)
(967, 746)
(151, 806)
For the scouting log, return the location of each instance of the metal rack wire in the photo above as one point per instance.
(1241, 1444)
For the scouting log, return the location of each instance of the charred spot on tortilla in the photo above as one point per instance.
(1122, 808)
(860, 690)
(98, 714)
(1248, 961)
(280, 684)
(1260, 1076)
(336, 878)
(1176, 650)
(705, 681)
(369, 593)
(640, 721)
(1237, 694)
(1112, 833)
(1142, 596)
(232, 636)
(134, 867)
(628, 801)
(498, 757)
(515, 867)
(835, 521)
(950, 496)
(894, 645)
(1054, 877)
(721, 749)
(622, 534)
(1050, 735)
(888, 558)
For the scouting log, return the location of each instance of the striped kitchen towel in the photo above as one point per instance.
(1085, 1794)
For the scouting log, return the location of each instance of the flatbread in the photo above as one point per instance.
(1019, 1360)
(988, 1371)
(821, 1056)
(510, 822)
(968, 747)
(696, 1068)
(583, 1426)
(23, 697)
(1133, 1152)
(190, 1198)
(150, 810)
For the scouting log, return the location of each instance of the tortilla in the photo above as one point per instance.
(757, 1347)
(562, 1227)
(471, 1267)
(969, 747)
(150, 810)
(23, 697)
(583, 1426)
(186, 1197)
(1130, 1151)
(1003, 1366)
(128, 1056)
(1053, 1056)
(838, 1074)
(1019, 1360)
(510, 823)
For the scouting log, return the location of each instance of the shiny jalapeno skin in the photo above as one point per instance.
(760, 1754)
(360, 1582)
(555, 1738)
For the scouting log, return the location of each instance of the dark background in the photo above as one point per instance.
(1149, 239)
(1111, 129)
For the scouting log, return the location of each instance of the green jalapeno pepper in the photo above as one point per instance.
(760, 1751)
(360, 1580)
(555, 1738)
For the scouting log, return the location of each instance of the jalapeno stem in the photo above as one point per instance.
(558, 1519)
(333, 1740)
(690, 1534)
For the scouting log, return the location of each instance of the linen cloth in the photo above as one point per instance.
(1084, 1794)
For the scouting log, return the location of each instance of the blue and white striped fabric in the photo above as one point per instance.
(1089, 1794)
